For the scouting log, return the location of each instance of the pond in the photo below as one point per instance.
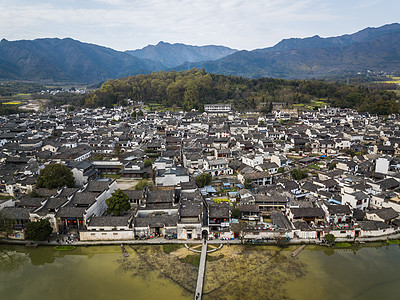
(170, 272)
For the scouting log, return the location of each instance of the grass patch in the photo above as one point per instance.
(342, 245)
(191, 259)
(168, 248)
(214, 258)
(112, 176)
(316, 166)
(393, 242)
(64, 248)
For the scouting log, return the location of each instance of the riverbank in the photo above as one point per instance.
(162, 241)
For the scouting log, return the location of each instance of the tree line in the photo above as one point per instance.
(194, 88)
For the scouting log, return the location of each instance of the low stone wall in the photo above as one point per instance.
(106, 235)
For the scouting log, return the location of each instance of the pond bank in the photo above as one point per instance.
(162, 241)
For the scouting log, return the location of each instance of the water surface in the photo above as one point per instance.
(235, 272)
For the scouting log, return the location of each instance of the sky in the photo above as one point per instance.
(239, 24)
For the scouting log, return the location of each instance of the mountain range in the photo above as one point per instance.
(374, 49)
(68, 60)
(172, 55)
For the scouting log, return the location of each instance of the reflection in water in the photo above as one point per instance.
(359, 272)
(248, 272)
(235, 272)
(150, 259)
(11, 261)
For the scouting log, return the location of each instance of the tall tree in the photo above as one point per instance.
(118, 203)
(54, 176)
(38, 231)
(203, 179)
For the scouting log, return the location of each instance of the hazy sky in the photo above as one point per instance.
(240, 24)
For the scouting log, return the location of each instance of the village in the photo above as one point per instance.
(216, 175)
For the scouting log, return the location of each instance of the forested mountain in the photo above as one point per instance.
(172, 55)
(192, 89)
(67, 60)
(374, 49)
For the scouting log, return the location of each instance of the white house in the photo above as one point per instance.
(217, 167)
(172, 176)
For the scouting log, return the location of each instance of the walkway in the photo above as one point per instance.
(297, 251)
(202, 268)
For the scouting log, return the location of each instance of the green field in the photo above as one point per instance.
(12, 103)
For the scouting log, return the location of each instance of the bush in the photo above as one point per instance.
(330, 238)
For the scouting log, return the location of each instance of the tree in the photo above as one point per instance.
(6, 225)
(118, 203)
(148, 163)
(330, 238)
(270, 107)
(248, 184)
(332, 165)
(236, 213)
(54, 176)
(140, 113)
(239, 230)
(117, 150)
(281, 169)
(298, 174)
(203, 179)
(38, 231)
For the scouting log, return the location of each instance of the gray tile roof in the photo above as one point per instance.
(304, 212)
(70, 212)
(385, 214)
(156, 220)
(110, 221)
(15, 213)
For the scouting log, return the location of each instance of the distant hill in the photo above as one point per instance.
(172, 55)
(375, 49)
(67, 60)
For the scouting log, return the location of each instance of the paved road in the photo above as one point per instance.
(202, 268)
